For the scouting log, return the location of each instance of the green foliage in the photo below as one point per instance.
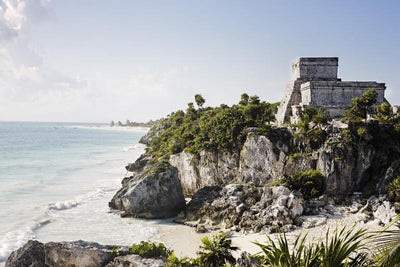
(174, 261)
(341, 249)
(216, 252)
(360, 106)
(315, 115)
(244, 99)
(387, 246)
(199, 100)
(393, 189)
(310, 183)
(221, 128)
(150, 250)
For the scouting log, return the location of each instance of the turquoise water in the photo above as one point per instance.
(56, 180)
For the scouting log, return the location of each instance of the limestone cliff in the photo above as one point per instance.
(348, 166)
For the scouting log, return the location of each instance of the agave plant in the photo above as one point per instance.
(343, 249)
(216, 252)
(387, 244)
(280, 254)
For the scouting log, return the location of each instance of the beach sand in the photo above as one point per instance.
(185, 241)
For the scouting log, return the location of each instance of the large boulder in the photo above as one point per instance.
(30, 255)
(155, 192)
(76, 254)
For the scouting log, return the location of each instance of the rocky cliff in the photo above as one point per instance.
(358, 164)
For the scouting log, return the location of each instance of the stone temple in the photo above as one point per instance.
(315, 83)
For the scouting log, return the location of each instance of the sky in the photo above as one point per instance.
(97, 61)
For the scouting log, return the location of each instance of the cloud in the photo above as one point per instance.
(23, 75)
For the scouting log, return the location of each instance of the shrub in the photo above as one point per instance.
(216, 252)
(150, 250)
(310, 183)
(174, 261)
(393, 189)
(221, 128)
(342, 249)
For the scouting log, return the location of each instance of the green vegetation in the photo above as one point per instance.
(213, 252)
(387, 247)
(221, 128)
(150, 250)
(216, 252)
(134, 124)
(310, 183)
(313, 136)
(344, 248)
(393, 189)
(360, 107)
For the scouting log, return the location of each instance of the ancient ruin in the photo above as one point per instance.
(315, 83)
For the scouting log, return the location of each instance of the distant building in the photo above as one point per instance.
(315, 83)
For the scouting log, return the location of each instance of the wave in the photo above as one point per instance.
(15, 239)
(79, 200)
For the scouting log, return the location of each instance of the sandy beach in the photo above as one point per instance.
(185, 241)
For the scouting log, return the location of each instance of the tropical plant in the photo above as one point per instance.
(281, 255)
(343, 249)
(217, 251)
(387, 245)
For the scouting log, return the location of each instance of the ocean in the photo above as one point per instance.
(56, 180)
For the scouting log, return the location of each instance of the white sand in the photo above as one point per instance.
(185, 241)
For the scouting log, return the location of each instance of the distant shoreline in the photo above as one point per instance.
(114, 128)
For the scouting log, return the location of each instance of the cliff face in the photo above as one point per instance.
(365, 165)
(346, 167)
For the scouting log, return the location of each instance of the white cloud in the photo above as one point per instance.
(23, 76)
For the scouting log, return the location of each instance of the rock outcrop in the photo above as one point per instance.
(243, 207)
(30, 255)
(78, 253)
(155, 192)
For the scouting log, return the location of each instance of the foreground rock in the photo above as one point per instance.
(77, 254)
(155, 192)
(243, 207)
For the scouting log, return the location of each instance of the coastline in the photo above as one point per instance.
(114, 128)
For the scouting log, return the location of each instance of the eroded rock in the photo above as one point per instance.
(155, 192)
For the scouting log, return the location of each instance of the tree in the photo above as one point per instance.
(254, 100)
(216, 252)
(128, 123)
(112, 124)
(199, 100)
(120, 123)
(361, 106)
(244, 99)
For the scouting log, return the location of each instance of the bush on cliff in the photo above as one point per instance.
(220, 128)
(310, 183)
(150, 250)
(393, 189)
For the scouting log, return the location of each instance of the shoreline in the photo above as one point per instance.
(113, 128)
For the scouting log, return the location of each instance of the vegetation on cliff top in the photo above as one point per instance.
(220, 128)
